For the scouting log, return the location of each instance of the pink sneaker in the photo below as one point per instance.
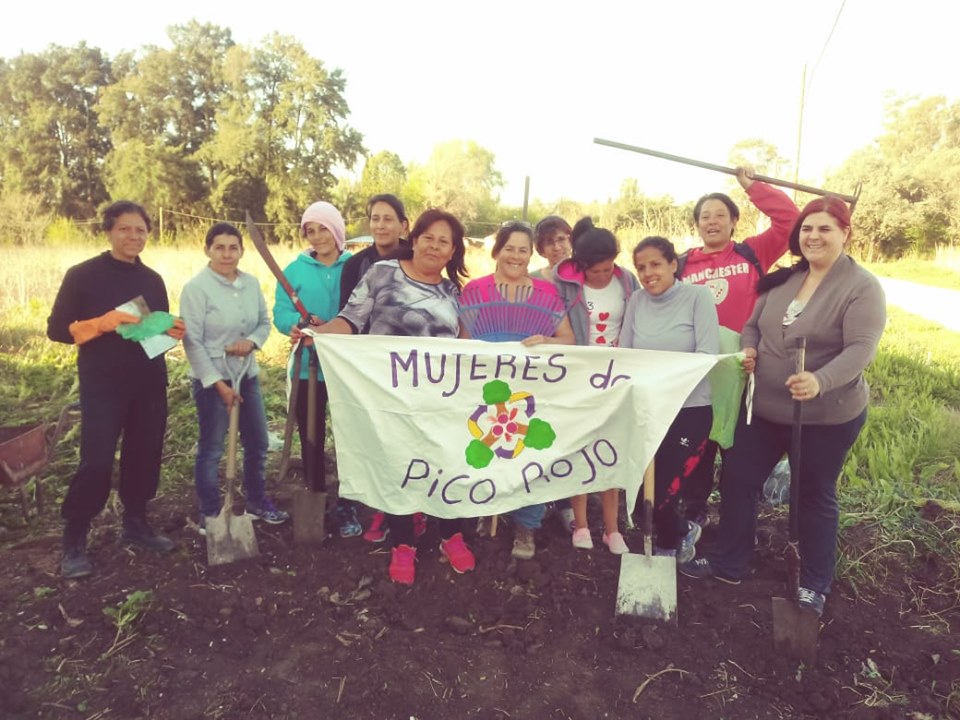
(403, 567)
(419, 524)
(615, 543)
(456, 552)
(378, 530)
(582, 539)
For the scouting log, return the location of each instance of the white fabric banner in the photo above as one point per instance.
(464, 428)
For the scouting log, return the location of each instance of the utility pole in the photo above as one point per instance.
(526, 197)
(796, 163)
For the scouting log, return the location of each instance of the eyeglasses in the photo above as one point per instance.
(560, 238)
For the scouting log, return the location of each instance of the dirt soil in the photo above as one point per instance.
(321, 633)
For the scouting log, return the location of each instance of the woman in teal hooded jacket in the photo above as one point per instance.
(315, 276)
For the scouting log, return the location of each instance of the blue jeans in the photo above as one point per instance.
(214, 423)
(756, 449)
(529, 517)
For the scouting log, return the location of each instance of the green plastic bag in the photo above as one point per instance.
(156, 323)
(727, 380)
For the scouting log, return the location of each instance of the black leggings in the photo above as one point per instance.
(677, 458)
(318, 455)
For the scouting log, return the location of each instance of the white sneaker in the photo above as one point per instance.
(615, 543)
(582, 539)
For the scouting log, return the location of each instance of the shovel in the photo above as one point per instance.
(648, 584)
(230, 537)
(291, 417)
(310, 503)
(795, 629)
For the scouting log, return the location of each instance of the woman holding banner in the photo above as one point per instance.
(595, 290)
(839, 308)
(511, 305)
(408, 296)
(388, 224)
(671, 315)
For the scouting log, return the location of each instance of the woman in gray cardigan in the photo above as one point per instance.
(840, 308)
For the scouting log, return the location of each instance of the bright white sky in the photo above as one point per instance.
(535, 82)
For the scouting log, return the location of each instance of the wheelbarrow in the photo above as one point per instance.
(25, 450)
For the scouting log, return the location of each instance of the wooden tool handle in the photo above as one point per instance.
(232, 433)
(648, 489)
(851, 199)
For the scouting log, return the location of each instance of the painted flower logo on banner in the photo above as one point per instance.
(504, 425)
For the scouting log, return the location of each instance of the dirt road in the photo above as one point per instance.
(937, 304)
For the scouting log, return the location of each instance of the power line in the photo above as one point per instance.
(823, 50)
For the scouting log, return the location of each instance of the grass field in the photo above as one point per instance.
(942, 271)
(906, 456)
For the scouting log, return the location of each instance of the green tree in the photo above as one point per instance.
(765, 159)
(281, 131)
(635, 215)
(459, 177)
(51, 142)
(155, 174)
(911, 193)
(161, 113)
(383, 172)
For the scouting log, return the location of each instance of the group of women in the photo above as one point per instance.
(413, 286)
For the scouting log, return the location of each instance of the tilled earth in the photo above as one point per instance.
(321, 633)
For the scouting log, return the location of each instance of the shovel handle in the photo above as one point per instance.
(795, 444)
(648, 490)
(313, 472)
(232, 433)
(291, 413)
(851, 199)
(792, 552)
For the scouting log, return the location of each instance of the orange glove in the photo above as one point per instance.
(178, 330)
(86, 330)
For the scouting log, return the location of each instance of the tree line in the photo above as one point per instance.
(207, 126)
(211, 128)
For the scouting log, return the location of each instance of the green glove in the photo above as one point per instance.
(156, 323)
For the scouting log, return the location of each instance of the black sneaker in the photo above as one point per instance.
(688, 545)
(75, 563)
(811, 599)
(136, 531)
(700, 568)
(346, 518)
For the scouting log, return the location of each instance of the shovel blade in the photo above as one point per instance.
(309, 517)
(796, 630)
(230, 538)
(648, 587)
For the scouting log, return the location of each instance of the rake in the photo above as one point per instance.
(506, 313)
